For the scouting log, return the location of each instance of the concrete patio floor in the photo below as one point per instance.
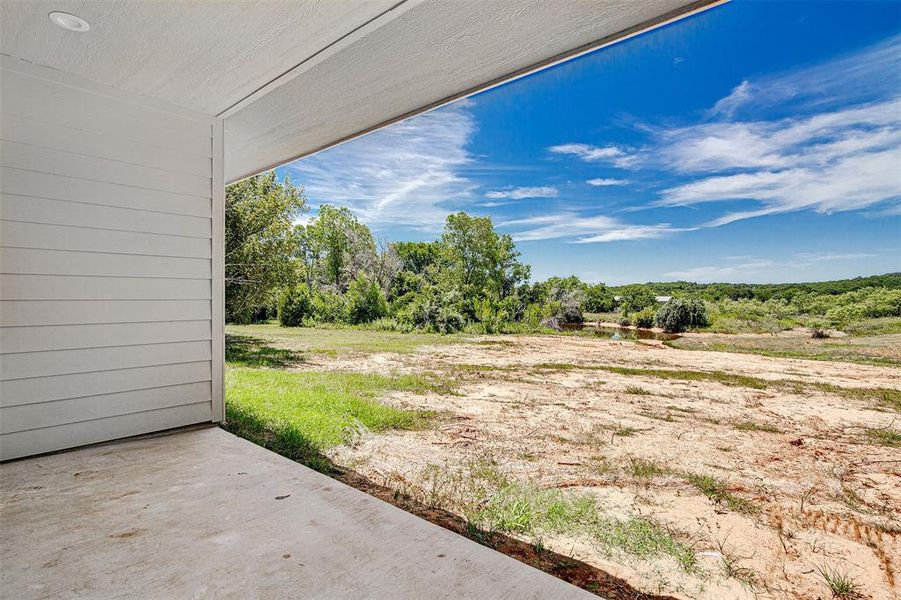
(205, 514)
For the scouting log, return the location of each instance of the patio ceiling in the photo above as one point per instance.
(292, 78)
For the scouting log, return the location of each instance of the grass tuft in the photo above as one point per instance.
(885, 437)
(841, 584)
(717, 491)
(755, 426)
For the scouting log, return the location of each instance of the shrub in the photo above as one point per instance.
(645, 317)
(434, 309)
(490, 314)
(680, 314)
(625, 322)
(294, 306)
(328, 307)
(365, 300)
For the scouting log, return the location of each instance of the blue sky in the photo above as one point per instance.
(756, 142)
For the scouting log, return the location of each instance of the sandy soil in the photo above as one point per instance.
(823, 494)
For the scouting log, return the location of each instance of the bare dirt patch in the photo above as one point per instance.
(765, 469)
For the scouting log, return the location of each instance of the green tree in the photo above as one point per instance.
(477, 260)
(260, 242)
(336, 246)
(365, 300)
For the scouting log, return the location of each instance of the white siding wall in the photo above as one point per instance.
(110, 234)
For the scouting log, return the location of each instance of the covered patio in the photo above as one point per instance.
(121, 125)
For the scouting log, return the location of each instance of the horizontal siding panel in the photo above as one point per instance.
(50, 414)
(63, 262)
(17, 313)
(42, 100)
(101, 145)
(24, 443)
(59, 287)
(57, 187)
(42, 389)
(44, 160)
(59, 237)
(67, 362)
(55, 212)
(71, 337)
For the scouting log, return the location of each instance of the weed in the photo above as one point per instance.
(717, 491)
(754, 426)
(637, 390)
(642, 538)
(519, 508)
(885, 437)
(624, 431)
(840, 583)
(645, 469)
(732, 566)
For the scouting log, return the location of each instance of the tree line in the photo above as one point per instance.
(331, 269)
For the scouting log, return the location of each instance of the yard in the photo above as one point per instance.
(618, 465)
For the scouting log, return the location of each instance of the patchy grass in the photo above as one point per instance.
(722, 377)
(755, 426)
(527, 510)
(636, 390)
(885, 437)
(300, 414)
(337, 341)
(885, 397)
(717, 491)
(642, 538)
(645, 469)
(877, 347)
(520, 508)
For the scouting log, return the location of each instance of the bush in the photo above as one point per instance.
(490, 313)
(294, 306)
(680, 314)
(434, 309)
(625, 322)
(328, 307)
(365, 300)
(645, 317)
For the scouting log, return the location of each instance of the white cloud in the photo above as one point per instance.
(849, 164)
(835, 158)
(400, 175)
(524, 192)
(751, 266)
(602, 182)
(612, 154)
(581, 229)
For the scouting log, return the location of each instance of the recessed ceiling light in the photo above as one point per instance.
(70, 22)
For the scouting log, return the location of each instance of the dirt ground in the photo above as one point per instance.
(814, 492)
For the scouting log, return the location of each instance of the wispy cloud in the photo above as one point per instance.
(837, 161)
(582, 229)
(743, 267)
(406, 174)
(838, 157)
(518, 193)
(602, 182)
(615, 155)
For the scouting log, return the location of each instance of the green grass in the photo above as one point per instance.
(300, 414)
(335, 341)
(717, 491)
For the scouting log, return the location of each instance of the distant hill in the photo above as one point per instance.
(764, 291)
